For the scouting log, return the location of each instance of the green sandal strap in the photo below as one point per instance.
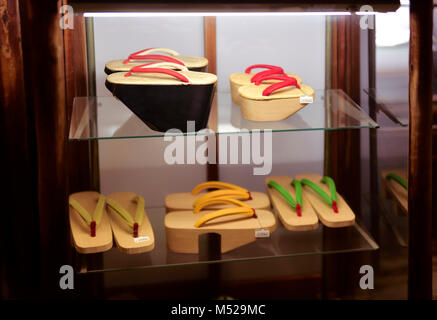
(398, 179)
(330, 200)
(298, 185)
(296, 205)
(126, 216)
(332, 189)
(94, 220)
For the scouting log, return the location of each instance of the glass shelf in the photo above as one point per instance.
(397, 222)
(282, 243)
(393, 102)
(109, 118)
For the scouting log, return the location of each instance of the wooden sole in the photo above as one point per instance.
(110, 71)
(269, 110)
(392, 189)
(123, 234)
(185, 200)
(288, 216)
(345, 216)
(236, 230)
(158, 78)
(80, 231)
(236, 98)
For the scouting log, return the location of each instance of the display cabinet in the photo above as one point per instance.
(78, 125)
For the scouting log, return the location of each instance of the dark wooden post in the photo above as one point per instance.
(211, 55)
(342, 147)
(43, 56)
(19, 232)
(420, 152)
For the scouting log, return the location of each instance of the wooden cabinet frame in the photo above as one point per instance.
(39, 76)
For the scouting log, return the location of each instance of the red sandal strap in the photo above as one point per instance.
(93, 227)
(158, 57)
(148, 51)
(277, 77)
(139, 52)
(141, 69)
(163, 64)
(171, 52)
(276, 86)
(261, 66)
(266, 73)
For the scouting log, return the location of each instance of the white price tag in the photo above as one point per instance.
(141, 239)
(262, 233)
(306, 99)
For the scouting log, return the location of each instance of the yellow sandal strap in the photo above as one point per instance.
(245, 210)
(239, 194)
(127, 217)
(97, 214)
(215, 185)
(212, 201)
(94, 220)
(133, 223)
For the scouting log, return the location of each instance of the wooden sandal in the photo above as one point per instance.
(163, 98)
(188, 200)
(332, 209)
(237, 226)
(395, 184)
(133, 232)
(149, 55)
(274, 102)
(295, 215)
(91, 234)
(165, 65)
(242, 79)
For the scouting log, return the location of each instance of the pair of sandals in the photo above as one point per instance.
(164, 91)
(95, 220)
(146, 61)
(231, 211)
(301, 202)
(269, 95)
